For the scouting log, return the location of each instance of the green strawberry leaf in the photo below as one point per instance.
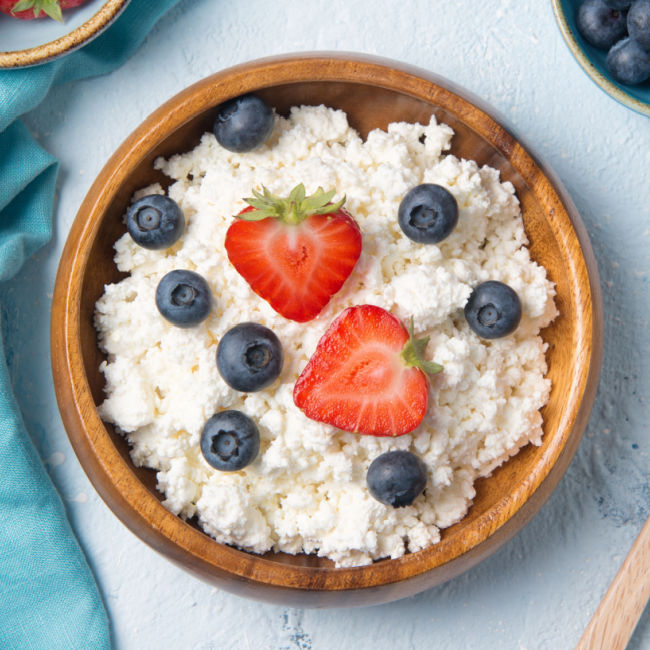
(292, 210)
(50, 7)
(413, 354)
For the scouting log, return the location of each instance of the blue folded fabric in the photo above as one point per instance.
(48, 596)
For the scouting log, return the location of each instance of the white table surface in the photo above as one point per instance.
(540, 590)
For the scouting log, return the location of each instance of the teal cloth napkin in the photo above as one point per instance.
(48, 597)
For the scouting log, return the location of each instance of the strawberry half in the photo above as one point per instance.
(367, 375)
(29, 9)
(297, 252)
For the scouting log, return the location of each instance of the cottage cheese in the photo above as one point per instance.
(306, 491)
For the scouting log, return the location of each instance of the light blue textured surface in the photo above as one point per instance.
(541, 589)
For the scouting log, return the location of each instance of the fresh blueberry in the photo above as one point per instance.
(230, 440)
(599, 24)
(622, 5)
(493, 310)
(628, 62)
(249, 357)
(183, 298)
(243, 123)
(396, 478)
(155, 221)
(638, 23)
(428, 213)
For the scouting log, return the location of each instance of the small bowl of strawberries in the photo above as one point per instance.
(36, 31)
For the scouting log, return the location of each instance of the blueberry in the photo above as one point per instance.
(428, 213)
(638, 23)
(628, 62)
(599, 24)
(493, 310)
(243, 123)
(230, 440)
(396, 478)
(155, 221)
(623, 5)
(183, 298)
(249, 357)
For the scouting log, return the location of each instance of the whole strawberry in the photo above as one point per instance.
(367, 375)
(297, 252)
(29, 9)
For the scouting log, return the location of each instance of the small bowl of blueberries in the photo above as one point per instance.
(610, 39)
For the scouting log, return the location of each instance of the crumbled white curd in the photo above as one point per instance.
(306, 491)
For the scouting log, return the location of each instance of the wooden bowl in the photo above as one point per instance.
(374, 93)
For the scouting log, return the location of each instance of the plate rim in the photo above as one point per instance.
(69, 42)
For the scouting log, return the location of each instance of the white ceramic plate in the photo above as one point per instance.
(29, 42)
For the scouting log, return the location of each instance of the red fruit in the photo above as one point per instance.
(367, 375)
(296, 253)
(29, 9)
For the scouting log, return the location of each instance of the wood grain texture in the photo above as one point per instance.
(620, 609)
(373, 92)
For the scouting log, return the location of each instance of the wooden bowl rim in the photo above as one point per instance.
(110, 473)
(73, 40)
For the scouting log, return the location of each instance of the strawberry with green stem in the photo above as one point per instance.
(294, 252)
(29, 9)
(368, 375)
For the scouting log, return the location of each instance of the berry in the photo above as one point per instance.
(249, 357)
(599, 24)
(628, 62)
(29, 9)
(183, 298)
(493, 310)
(428, 213)
(155, 221)
(296, 253)
(367, 375)
(243, 123)
(622, 5)
(638, 23)
(396, 478)
(230, 440)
